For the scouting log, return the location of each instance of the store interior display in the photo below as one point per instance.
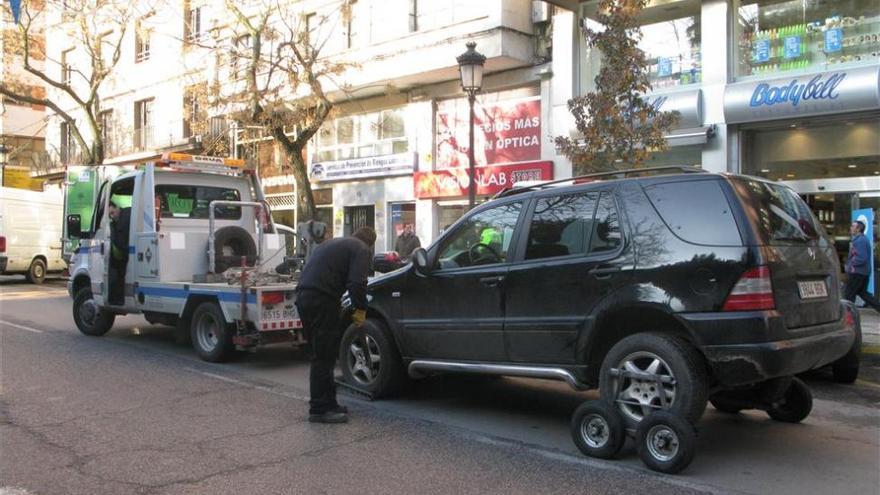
(819, 44)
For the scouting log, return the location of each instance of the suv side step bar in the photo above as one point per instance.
(417, 367)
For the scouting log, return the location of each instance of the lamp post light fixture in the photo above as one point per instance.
(470, 68)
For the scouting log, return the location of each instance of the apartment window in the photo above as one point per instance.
(193, 24)
(67, 144)
(66, 67)
(240, 56)
(351, 26)
(142, 41)
(194, 121)
(143, 124)
(310, 25)
(105, 118)
(361, 136)
(413, 15)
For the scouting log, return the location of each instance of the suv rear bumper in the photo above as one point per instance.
(750, 362)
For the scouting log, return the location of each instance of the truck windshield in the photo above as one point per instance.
(178, 201)
(779, 214)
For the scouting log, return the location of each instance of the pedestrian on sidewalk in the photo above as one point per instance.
(335, 266)
(858, 267)
(407, 242)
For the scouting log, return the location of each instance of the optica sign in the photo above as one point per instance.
(490, 180)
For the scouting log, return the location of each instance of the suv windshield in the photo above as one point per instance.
(779, 214)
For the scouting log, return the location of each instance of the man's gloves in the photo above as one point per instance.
(359, 317)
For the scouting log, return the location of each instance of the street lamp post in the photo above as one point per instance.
(470, 68)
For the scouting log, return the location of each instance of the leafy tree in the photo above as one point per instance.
(617, 128)
(279, 79)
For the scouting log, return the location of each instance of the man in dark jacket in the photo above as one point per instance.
(335, 266)
(407, 242)
(858, 267)
(120, 222)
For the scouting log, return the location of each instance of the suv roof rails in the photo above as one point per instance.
(622, 173)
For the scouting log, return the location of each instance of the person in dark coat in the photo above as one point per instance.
(407, 242)
(120, 222)
(335, 266)
(858, 267)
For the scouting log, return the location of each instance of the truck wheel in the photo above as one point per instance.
(846, 369)
(211, 335)
(597, 429)
(795, 405)
(370, 360)
(666, 442)
(88, 316)
(36, 273)
(678, 365)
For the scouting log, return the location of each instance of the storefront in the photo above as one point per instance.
(507, 149)
(818, 133)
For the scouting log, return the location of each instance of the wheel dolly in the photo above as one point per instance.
(665, 441)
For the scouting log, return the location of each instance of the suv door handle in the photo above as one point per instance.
(492, 281)
(604, 272)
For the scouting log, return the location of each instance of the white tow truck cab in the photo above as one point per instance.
(194, 222)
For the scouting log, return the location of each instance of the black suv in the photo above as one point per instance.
(692, 283)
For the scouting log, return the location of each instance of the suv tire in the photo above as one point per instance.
(87, 315)
(370, 360)
(665, 356)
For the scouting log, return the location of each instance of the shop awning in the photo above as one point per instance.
(690, 136)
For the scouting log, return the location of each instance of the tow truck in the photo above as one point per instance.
(202, 255)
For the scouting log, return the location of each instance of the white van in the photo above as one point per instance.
(30, 232)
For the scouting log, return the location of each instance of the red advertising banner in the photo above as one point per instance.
(504, 132)
(490, 180)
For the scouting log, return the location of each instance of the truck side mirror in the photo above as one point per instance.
(74, 226)
(420, 260)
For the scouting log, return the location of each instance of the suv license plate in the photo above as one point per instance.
(812, 289)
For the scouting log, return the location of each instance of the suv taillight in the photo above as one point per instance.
(2, 244)
(753, 291)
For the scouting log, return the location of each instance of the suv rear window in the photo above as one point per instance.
(696, 212)
(779, 214)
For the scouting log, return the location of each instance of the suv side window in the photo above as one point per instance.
(606, 226)
(483, 239)
(561, 225)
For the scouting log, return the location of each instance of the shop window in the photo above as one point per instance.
(671, 40)
(362, 136)
(805, 35)
(813, 150)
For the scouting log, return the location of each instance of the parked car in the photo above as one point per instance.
(387, 262)
(658, 288)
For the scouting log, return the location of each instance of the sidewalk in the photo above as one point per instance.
(870, 328)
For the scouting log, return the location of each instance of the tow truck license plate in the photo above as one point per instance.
(812, 289)
(279, 314)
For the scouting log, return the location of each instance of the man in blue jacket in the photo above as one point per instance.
(335, 266)
(858, 267)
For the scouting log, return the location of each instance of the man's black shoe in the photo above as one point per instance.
(329, 417)
(339, 409)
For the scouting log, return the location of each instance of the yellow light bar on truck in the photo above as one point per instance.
(195, 160)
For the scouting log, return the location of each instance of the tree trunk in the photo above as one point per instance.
(305, 200)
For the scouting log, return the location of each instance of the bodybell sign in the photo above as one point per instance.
(850, 90)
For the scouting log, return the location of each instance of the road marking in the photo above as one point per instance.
(21, 327)
(242, 383)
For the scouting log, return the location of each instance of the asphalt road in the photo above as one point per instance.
(136, 412)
